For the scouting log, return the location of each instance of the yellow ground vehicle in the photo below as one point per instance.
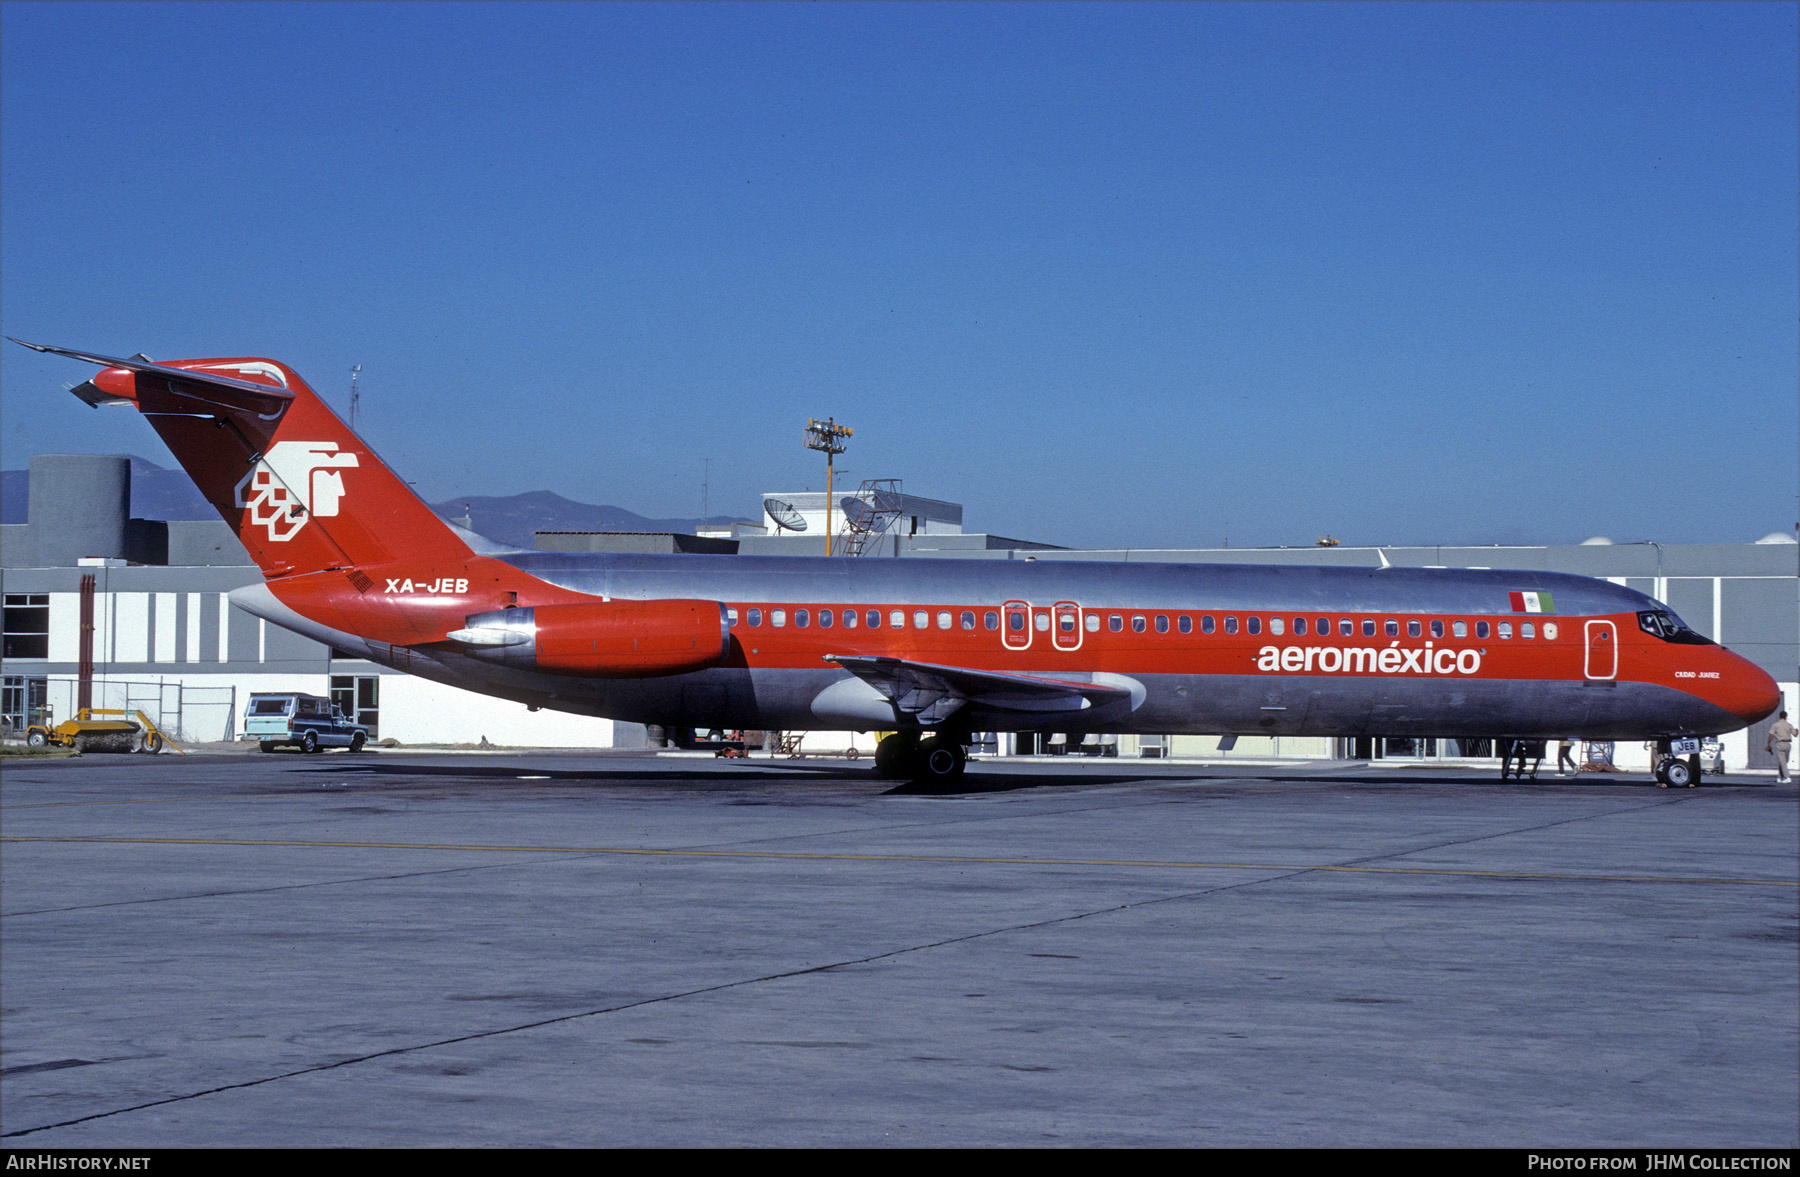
(86, 733)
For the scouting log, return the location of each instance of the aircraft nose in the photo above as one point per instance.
(1746, 689)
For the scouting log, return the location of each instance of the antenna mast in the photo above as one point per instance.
(355, 396)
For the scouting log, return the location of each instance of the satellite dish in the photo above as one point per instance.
(858, 512)
(784, 515)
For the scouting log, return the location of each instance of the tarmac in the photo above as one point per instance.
(580, 949)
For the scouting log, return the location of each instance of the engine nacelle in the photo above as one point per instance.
(602, 639)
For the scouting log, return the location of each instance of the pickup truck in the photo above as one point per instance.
(306, 722)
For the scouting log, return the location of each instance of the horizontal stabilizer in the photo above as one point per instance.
(208, 388)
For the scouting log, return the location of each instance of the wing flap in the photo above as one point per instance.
(931, 693)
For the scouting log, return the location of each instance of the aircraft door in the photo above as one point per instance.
(1015, 629)
(1602, 650)
(1065, 625)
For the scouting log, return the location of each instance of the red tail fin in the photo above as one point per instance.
(302, 490)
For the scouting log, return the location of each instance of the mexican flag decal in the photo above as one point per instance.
(1532, 603)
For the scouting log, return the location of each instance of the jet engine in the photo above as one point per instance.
(601, 639)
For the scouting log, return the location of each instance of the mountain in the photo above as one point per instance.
(157, 493)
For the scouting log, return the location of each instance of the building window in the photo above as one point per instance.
(23, 701)
(27, 625)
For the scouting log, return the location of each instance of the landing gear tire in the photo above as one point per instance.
(895, 754)
(940, 760)
(1677, 774)
(309, 742)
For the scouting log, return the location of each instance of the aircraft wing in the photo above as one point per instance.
(932, 693)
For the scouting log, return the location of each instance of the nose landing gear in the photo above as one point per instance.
(1672, 772)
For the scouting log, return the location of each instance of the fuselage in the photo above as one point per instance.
(1205, 648)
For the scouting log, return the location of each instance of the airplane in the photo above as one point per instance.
(930, 651)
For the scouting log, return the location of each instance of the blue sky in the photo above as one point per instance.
(1109, 275)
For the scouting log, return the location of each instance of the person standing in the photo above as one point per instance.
(1781, 740)
(1565, 754)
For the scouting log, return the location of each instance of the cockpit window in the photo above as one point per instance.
(1670, 628)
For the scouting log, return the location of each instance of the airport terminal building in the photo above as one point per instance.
(166, 639)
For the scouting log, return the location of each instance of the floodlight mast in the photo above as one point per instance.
(827, 436)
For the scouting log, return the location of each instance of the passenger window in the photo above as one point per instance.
(1368, 627)
(943, 619)
(1347, 627)
(968, 619)
(1092, 621)
(1324, 629)
(755, 617)
(1413, 629)
(1015, 622)
(991, 619)
(778, 617)
(802, 619)
(825, 619)
(1231, 625)
(1393, 628)
(1115, 623)
(1527, 630)
(1506, 629)
(1481, 629)
(1065, 622)
(1299, 626)
(1277, 625)
(921, 619)
(1162, 623)
(873, 618)
(731, 617)
(1252, 625)
(849, 619)
(1437, 629)
(1041, 622)
(1549, 631)
(1460, 628)
(1137, 624)
(1184, 623)
(1206, 623)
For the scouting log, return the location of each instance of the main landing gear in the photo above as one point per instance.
(933, 760)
